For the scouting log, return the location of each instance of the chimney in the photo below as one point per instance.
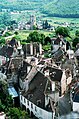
(46, 72)
(53, 86)
(40, 48)
(31, 48)
(35, 51)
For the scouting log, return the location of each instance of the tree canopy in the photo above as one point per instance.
(6, 104)
(77, 33)
(36, 37)
(75, 41)
(64, 31)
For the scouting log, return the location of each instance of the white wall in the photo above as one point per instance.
(76, 106)
(63, 83)
(28, 69)
(40, 113)
(69, 79)
(2, 115)
(23, 84)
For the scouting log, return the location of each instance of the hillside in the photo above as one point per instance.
(62, 8)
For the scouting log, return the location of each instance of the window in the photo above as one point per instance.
(21, 97)
(38, 102)
(35, 109)
(27, 102)
(24, 100)
(31, 105)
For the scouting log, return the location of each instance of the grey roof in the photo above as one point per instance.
(22, 73)
(6, 51)
(36, 90)
(54, 73)
(57, 40)
(58, 55)
(77, 52)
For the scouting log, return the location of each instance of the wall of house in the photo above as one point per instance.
(40, 48)
(28, 69)
(23, 84)
(63, 83)
(37, 111)
(54, 96)
(55, 47)
(69, 79)
(46, 100)
(76, 106)
(2, 115)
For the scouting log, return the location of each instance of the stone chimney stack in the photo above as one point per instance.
(40, 48)
(31, 48)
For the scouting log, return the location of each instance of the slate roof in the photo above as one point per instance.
(77, 52)
(58, 55)
(55, 74)
(36, 90)
(13, 42)
(76, 98)
(57, 40)
(75, 90)
(76, 93)
(69, 64)
(22, 73)
(41, 62)
(16, 62)
(6, 51)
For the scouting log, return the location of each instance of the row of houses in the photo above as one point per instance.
(41, 81)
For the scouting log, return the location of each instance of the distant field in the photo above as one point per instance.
(51, 20)
(25, 33)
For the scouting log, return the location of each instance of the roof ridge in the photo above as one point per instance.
(32, 73)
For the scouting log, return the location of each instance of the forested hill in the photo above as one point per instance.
(62, 8)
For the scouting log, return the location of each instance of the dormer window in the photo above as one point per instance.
(30, 96)
(53, 74)
(46, 73)
(38, 102)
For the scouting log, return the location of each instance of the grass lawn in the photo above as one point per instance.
(23, 34)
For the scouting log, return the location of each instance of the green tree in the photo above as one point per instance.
(45, 24)
(16, 33)
(2, 40)
(64, 31)
(36, 37)
(47, 40)
(8, 102)
(17, 113)
(77, 33)
(75, 41)
(5, 18)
